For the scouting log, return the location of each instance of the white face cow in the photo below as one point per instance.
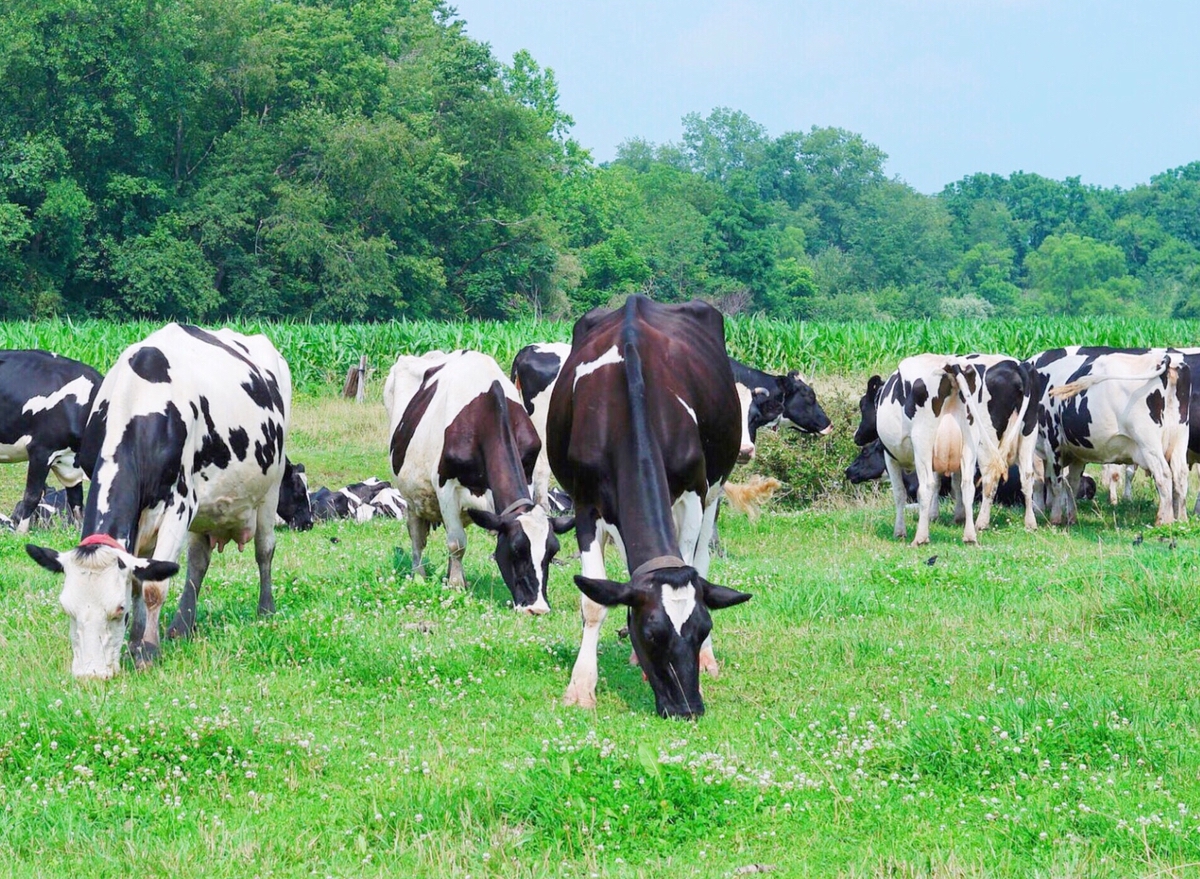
(100, 579)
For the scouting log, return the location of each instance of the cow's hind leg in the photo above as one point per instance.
(418, 533)
(896, 477)
(968, 492)
(708, 524)
(581, 690)
(264, 554)
(1179, 483)
(199, 555)
(1156, 464)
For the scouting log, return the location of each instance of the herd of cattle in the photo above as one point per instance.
(641, 420)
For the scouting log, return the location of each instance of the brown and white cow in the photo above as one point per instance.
(461, 441)
(644, 427)
(942, 414)
(185, 443)
(1114, 406)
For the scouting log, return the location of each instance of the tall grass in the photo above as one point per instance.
(319, 354)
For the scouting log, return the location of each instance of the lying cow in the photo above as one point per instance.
(360, 501)
(1106, 406)
(939, 414)
(462, 441)
(44, 404)
(644, 427)
(534, 371)
(185, 443)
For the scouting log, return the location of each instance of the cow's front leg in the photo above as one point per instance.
(1025, 465)
(456, 534)
(418, 533)
(35, 487)
(581, 690)
(896, 477)
(199, 556)
(144, 648)
(264, 554)
(708, 659)
(689, 522)
(1179, 480)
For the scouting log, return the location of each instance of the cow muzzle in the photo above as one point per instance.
(745, 453)
(534, 610)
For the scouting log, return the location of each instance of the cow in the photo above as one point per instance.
(1114, 406)
(462, 441)
(941, 414)
(1119, 479)
(44, 404)
(534, 371)
(643, 429)
(361, 501)
(185, 442)
(781, 396)
(295, 508)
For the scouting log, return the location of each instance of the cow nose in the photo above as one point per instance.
(535, 610)
(745, 453)
(95, 674)
(828, 430)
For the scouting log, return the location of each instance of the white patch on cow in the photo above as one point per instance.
(745, 396)
(80, 388)
(609, 356)
(12, 453)
(679, 604)
(537, 528)
(690, 410)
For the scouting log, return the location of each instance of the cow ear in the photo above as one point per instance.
(485, 519)
(874, 383)
(45, 557)
(153, 570)
(606, 592)
(562, 524)
(720, 597)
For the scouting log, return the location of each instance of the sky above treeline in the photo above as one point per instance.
(1107, 90)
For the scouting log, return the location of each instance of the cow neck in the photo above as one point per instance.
(501, 458)
(120, 520)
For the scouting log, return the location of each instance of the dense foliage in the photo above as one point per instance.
(360, 161)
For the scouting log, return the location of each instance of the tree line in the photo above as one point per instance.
(351, 160)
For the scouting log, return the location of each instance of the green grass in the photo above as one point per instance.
(1026, 707)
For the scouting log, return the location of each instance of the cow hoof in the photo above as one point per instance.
(708, 664)
(267, 610)
(179, 630)
(579, 697)
(900, 535)
(919, 541)
(144, 654)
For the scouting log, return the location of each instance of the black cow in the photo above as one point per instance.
(44, 404)
(295, 508)
(786, 396)
(644, 427)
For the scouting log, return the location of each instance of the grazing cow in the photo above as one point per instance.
(782, 396)
(295, 508)
(361, 501)
(643, 429)
(461, 440)
(1109, 406)
(534, 371)
(185, 442)
(939, 414)
(44, 404)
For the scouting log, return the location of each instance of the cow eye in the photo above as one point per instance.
(119, 612)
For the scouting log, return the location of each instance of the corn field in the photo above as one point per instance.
(320, 354)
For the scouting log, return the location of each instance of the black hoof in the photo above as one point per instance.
(266, 610)
(144, 653)
(179, 629)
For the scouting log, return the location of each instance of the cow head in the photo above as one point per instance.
(294, 506)
(868, 465)
(869, 407)
(525, 544)
(98, 587)
(765, 411)
(669, 621)
(800, 406)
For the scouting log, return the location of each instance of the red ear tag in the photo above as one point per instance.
(102, 540)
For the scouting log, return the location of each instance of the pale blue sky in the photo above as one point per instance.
(1106, 90)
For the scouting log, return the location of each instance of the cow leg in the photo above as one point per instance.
(264, 553)
(581, 690)
(1070, 487)
(199, 555)
(1055, 476)
(960, 511)
(927, 493)
(1179, 482)
(708, 524)
(174, 531)
(689, 521)
(896, 477)
(418, 533)
(968, 491)
(35, 487)
(1025, 465)
(1156, 464)
(456, 534)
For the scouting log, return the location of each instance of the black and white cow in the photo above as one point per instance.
(1110, 406)
(44, 404)
(786, 396)
(941, 414)
(462, 441)
(644, 427)
(534, 371)
(185, 443)
(361, 501)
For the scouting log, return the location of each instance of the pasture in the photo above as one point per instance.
(1025, 707)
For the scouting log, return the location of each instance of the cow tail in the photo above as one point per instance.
(997, 464)
(1012, 435)
(748, 497)
(1072, 389)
